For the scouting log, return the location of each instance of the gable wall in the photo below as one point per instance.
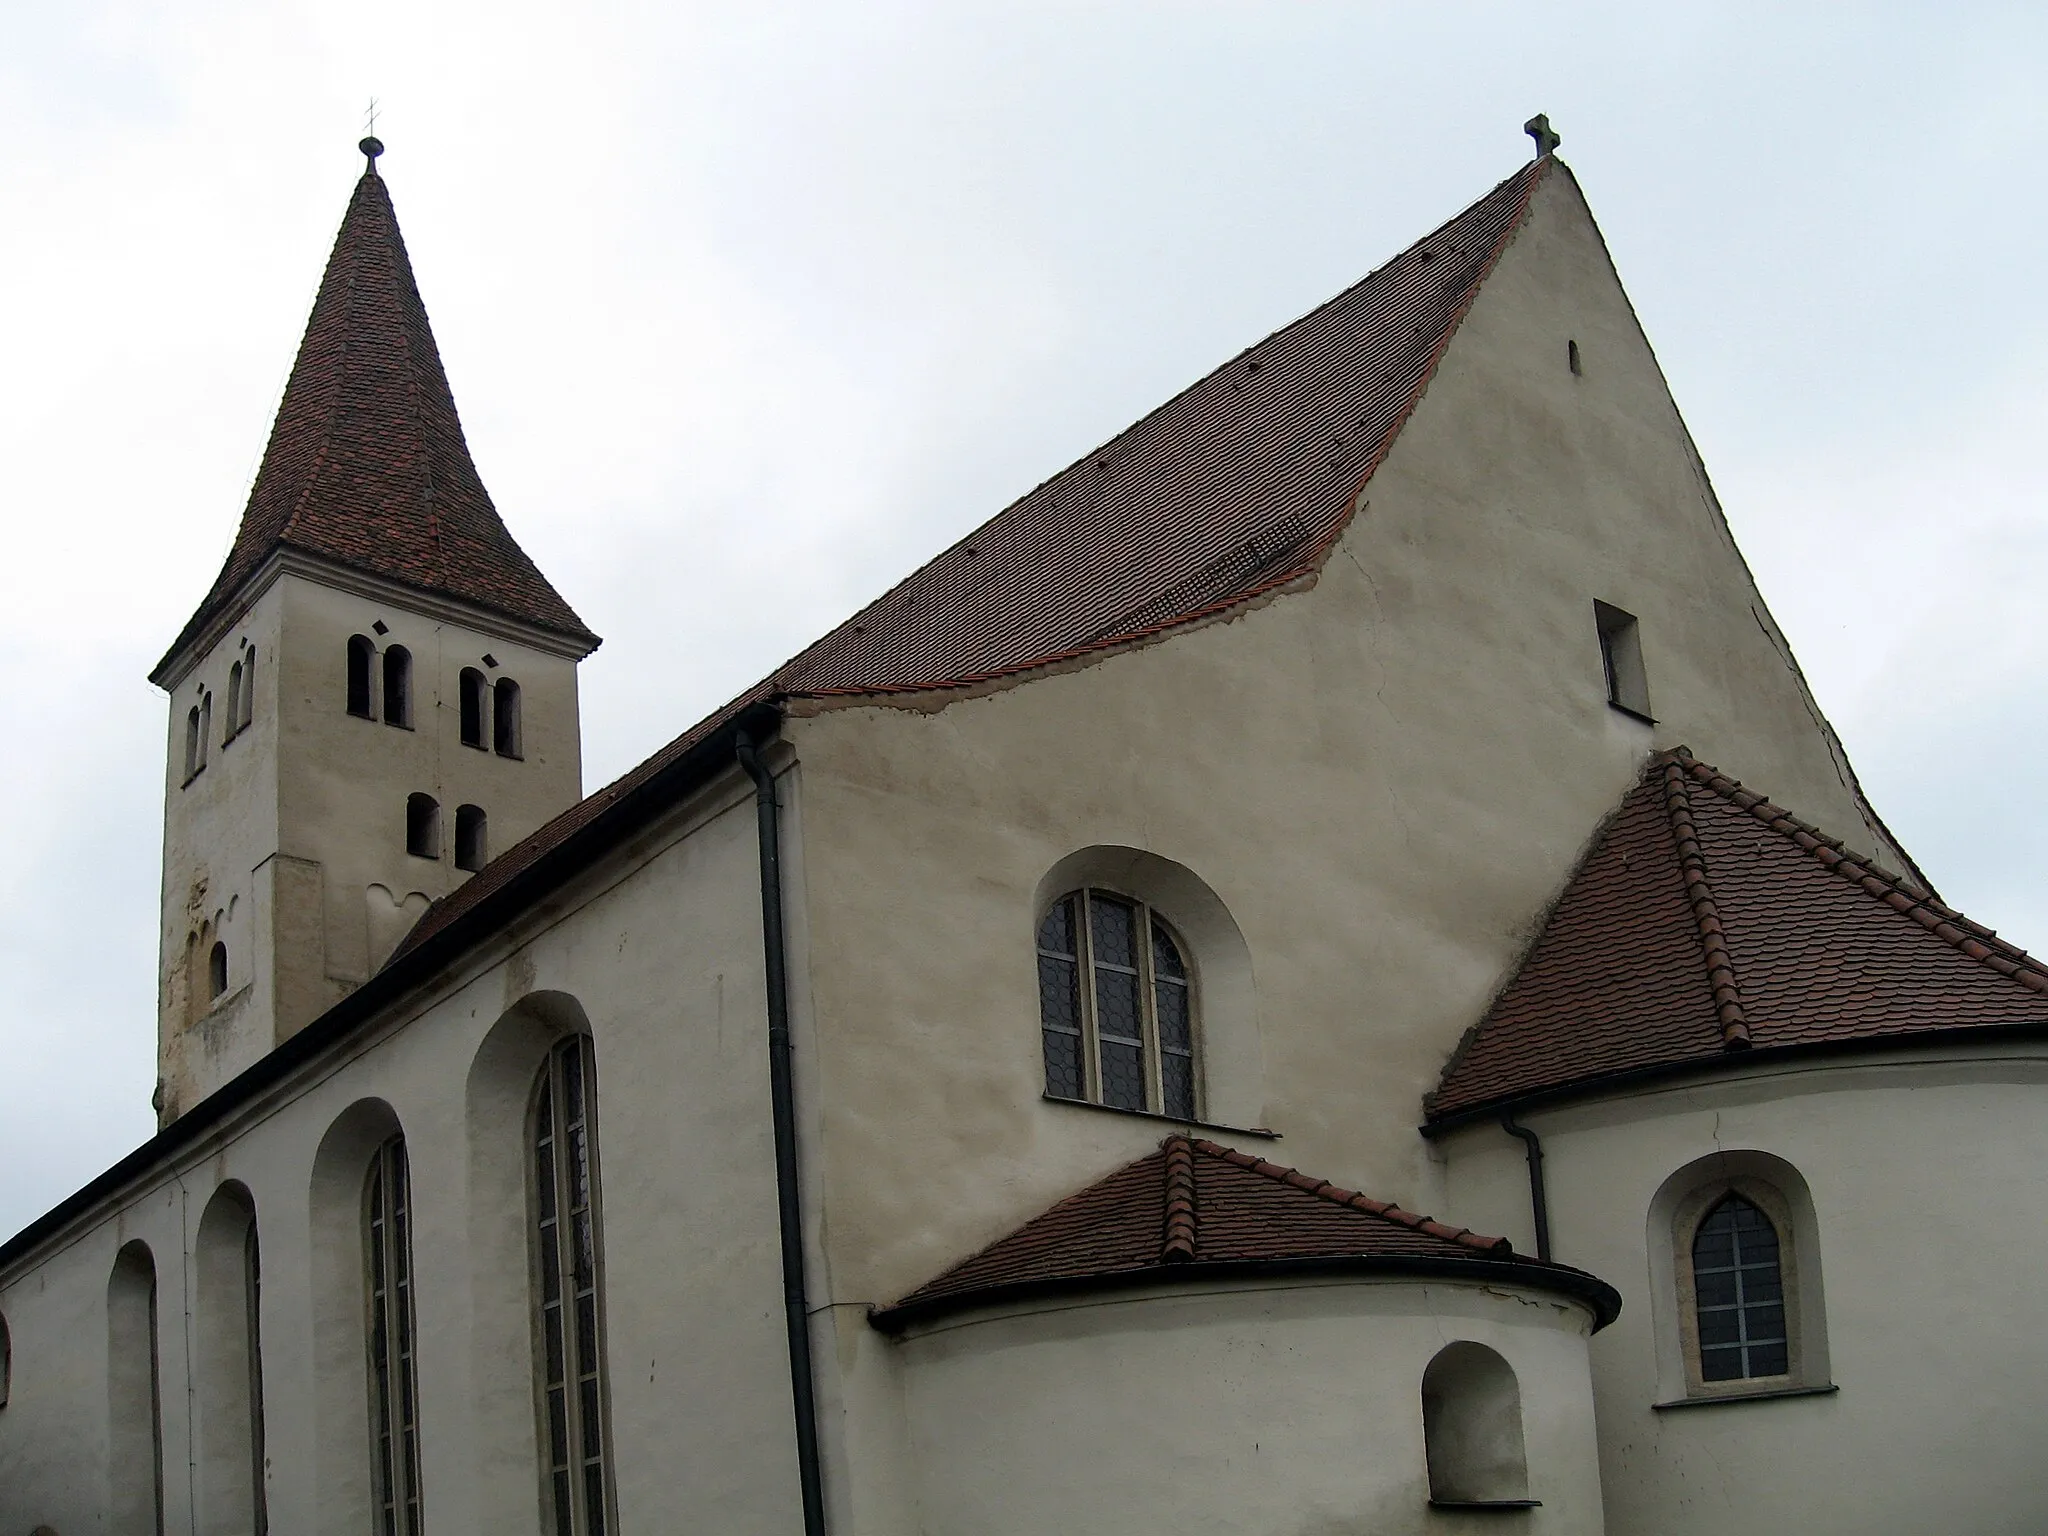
(1385, 779)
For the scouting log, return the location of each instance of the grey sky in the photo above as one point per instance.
(748, 309)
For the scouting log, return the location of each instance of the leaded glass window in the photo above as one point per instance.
(1115, 1006)
(568, 1256)
(394, 1375)
(1739, 1291)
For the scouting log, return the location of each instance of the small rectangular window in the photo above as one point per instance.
(1621, 654)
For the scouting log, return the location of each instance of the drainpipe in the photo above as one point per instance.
(1539, 1205)
(796, 1307)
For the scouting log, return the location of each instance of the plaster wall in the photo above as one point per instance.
(1383, 780)
(1930, 1224)
(1286, 1408)
(295, 833)
(658, 957)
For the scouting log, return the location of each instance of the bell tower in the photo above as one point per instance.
(376, 696)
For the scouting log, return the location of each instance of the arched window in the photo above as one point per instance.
(1472, 1430)
(398, 686)
(6, 1362)
(217, 970)
(247, 711)
(205, 724)
(234, 703)
(192, 760)
(1738, 1289)
(505, 736)
(360, 651)
(394, 1380)
(470, 852)
(569, 1259)
(422, 826)
(135, 1447)
(474, 691)
(1116, 1006)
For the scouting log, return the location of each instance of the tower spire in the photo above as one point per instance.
(367, 467)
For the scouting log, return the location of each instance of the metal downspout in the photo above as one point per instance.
(796, 1308)
(1539, 1204)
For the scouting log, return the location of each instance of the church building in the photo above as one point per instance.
(1321, 972)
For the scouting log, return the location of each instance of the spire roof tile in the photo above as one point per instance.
(367, 466)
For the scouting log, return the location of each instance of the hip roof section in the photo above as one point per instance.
(1707, 924)
(1196, 1203)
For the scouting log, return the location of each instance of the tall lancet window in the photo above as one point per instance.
(569, 1260)
(394, 1378)
(505, 719)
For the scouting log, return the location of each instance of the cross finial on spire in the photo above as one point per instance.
(371, 145)
(1539, 129)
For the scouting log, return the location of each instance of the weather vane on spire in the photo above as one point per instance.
(371, 146)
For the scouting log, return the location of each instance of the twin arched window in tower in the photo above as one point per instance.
(1116, 1006)
(382, 684)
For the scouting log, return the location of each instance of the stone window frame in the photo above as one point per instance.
(1687, 1197)
(1692, 1212)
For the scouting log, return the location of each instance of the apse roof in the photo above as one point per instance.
(366, 465)
(1236, 487)
(1707, 922)
(1195, 1207)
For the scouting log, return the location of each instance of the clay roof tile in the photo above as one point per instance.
(367, 465)
(1703, 909)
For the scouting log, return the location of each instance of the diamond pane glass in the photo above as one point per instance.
(1123, 1075)
(1177, 1084)
(1112, 930)
(567, 1252)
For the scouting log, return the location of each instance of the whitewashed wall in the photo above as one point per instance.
(1929, 1182)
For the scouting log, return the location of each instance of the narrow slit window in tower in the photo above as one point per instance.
(217, 970)
(234, 704)
(474, 690)
(398, 686)
(422, 826)
(470, 851)
(360, 652)
(506, 736)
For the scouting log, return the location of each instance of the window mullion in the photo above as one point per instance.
(1084, 955)
(565, 1284)
(1148, 1014)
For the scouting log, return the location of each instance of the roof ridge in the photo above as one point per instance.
(1699, 894)
(1936, 916)
(1181, 1235)
(1386, 1210)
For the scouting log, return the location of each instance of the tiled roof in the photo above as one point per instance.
(1706, 922)
(366, 464)
(1198, 1203)
(1236, 487)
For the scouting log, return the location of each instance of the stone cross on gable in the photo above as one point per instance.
(1538, 128)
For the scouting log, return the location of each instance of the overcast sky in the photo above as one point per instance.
(751, 307)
